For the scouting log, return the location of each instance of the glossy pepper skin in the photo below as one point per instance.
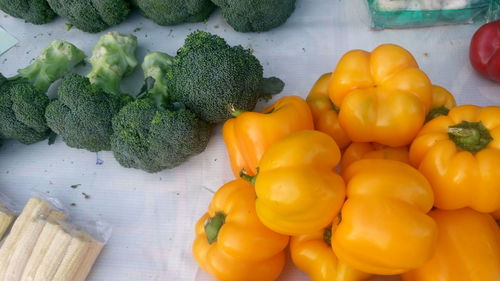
(468, 248)
(250, 134)
(325, 113)
(442, 102)
(460, 156)
(385, 228)
(365, 150)
(232, 244)
(298, 191)
(383, 96)
(484, 51)
(313, 254)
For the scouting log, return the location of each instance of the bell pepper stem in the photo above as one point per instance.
(436, 112)
(234, 111)
(213, 226)
(470, 136)
(327, 236)
(248, 178)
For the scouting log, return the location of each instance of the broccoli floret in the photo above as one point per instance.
(255, 15)
(171, 12)
(82, 113)
(34, 11)
(91, 15)
(209, 75)
(152, 134)
(23, 99)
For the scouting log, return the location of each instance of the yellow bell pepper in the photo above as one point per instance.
(460, 156)
(313, 254)
(496, 215)
(442, 102)
(468, 248)
(383, 96)
(385, 229)
(365, 150)
(325, 113)
(250, 134)
(232, 244)
(298, 191)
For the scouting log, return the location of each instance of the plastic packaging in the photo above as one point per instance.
(494, 11)
(46, 244)
(7, 214)
(418, 13)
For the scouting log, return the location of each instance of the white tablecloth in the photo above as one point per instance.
(154, 214)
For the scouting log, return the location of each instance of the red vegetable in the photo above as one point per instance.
(485, 50)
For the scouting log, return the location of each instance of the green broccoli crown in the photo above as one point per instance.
(82, 114)
(33, 11)
(112, 58)
(85, 106)
(91, 15)
(255, 15)
(171, 12)
(53, 63)
(153, 138)
(23, 99)
(209, 75)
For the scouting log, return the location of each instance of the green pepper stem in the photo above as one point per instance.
(234, 111)
(248, 178)
(470, 136)
(436, 112)
(327, 236)
(213, 226)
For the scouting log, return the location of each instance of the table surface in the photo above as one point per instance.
(153, 215)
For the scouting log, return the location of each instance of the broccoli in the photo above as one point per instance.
(23, 99)
(255, 15)
(91, 15)
(34, 11)
(82, 113)
(208, 76)
(171, 12)
(152, 134)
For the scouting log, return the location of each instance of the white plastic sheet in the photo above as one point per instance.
(153, 215)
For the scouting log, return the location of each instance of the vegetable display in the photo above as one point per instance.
(468, 248)
(208, 76)
(23, 99)
(484, 51)
(232, 244)
(365, 150)
(383, 96)
(152, 134)
(85, 106)
(171, 12)
(250, 134)
(460, 156)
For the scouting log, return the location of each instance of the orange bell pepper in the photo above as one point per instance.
(442, 102)
(385, 229)
(298, 191)
(250, 134)
(313, 254)
(365, 150)
(468, 248)
(460, 156)
(383, 96)
(325, 113)
(232, 244)
(496, 215)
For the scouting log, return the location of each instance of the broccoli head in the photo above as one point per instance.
(208, 76)
(23, 99)
(85, 106)
(91, 15)
(33, 11)
(255, 15)
(171, 12)
(152, 134)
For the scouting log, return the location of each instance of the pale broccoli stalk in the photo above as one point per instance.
(85, 106)
(22, 97)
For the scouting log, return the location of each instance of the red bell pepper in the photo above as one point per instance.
(484, 50)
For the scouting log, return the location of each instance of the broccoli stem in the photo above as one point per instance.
(113, 58)
(54, 61)
(156, 65)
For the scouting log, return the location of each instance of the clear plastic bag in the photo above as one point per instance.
(494, 11)
(418, 13)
